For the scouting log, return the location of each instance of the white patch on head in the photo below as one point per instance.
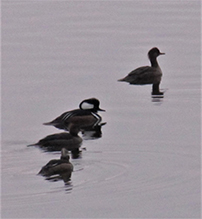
(86, 106)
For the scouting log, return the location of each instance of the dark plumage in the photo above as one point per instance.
(55, 142)
(84, 117)
(61, 167)
(147, 74)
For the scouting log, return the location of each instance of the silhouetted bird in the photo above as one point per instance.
(61, 167)
(84, 117)
(147, 74)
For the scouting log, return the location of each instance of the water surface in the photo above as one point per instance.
(57, 53)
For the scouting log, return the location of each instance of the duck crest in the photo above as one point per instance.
(86, 106)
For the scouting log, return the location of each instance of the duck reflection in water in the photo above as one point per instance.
(58, 169)
(55, 142)
(157, 100)
(85, 116)
(147, 74)
(92, 132)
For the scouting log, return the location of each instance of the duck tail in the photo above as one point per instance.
(47, 123)
(30, 145)
(122, 79)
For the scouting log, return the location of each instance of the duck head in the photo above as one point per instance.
(64, 154)
(154, 52)
(91, 104)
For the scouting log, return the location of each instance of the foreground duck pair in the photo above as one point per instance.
(147, 74)
(85, 118)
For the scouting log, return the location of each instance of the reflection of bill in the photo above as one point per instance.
(92, 132)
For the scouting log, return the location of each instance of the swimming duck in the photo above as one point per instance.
(147, 74)
(84, 117)
(55, 142)
(61, 167)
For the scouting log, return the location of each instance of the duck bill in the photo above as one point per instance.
(162, 53)
(101, 110)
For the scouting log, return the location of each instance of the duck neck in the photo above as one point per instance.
(154, 62)
(74, 132)
(64, 158)
(155, 89)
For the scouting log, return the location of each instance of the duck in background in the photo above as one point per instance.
(85, 116)
(147, 74)
(60, 167)
(69, 140)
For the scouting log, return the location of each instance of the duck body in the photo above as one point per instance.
(61, 167)
(144, 75)
(147, 74)
(86, 116)
(55, 142)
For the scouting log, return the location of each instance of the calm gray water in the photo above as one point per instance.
(57, 53)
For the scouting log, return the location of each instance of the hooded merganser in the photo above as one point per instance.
(55, 142)
(61, 167)
(147, 74)
(84, 117)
